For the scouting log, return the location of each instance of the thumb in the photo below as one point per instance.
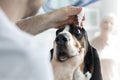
(71, 10)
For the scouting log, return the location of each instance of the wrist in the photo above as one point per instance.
(52, 23)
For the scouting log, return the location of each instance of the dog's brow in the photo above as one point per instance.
(66, 28)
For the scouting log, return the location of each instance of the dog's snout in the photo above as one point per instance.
(61, 39)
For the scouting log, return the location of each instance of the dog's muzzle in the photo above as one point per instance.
(61, 41)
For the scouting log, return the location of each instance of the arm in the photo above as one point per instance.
(37, 24)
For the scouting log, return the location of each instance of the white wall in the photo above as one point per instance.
(111, 6)
(108, 6)
(104, 7)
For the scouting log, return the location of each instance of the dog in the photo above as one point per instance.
(68, 43)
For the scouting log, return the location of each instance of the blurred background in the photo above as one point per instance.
(95, 10)
(102, 26)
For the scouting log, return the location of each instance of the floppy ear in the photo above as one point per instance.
(92, 63)
(97, 67)
(51, 54)
(89, 60)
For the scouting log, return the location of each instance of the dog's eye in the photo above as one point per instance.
(77, 32)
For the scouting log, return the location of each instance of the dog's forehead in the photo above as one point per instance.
(73, 30)
(66, 29)
(69, 28)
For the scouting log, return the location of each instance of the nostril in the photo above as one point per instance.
(65, 39)
(61, 39)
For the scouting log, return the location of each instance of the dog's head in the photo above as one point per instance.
(69, 41)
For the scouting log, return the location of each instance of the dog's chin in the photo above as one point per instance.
(62, 56)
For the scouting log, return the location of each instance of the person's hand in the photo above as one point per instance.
(65, 15)
(55, 19)
(65, 70)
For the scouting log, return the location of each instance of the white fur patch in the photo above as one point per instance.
(88, 75)
(66, 28)
(78, 75)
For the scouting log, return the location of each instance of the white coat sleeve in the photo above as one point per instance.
(20, 57)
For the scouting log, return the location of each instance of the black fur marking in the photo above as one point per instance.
(59, 30)
(76, 31)
(51, 54)
(97, 69)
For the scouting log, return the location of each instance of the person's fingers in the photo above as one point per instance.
(59, 15)
(62, 23)
(75, 20)
(70, 20)
(70, 14)
(65, 15)
(71, 10)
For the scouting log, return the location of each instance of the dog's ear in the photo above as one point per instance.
(97, 67)
(89, 60)
(92, 63)
(51, 54)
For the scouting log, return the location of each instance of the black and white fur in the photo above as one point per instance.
(68, 43)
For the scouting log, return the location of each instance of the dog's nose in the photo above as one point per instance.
(61, 40)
